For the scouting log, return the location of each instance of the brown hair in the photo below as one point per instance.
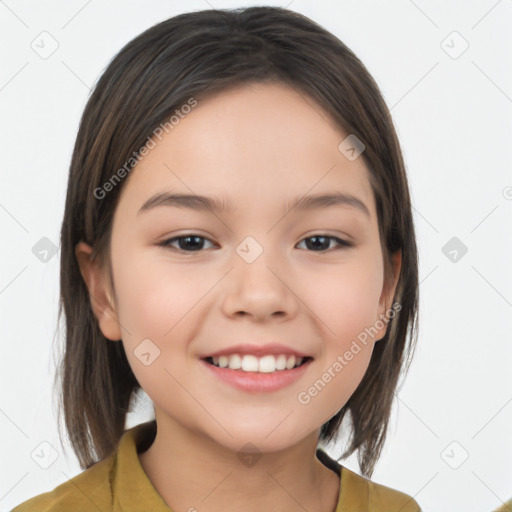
(197, 54)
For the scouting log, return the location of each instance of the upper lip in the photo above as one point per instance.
(257, 350)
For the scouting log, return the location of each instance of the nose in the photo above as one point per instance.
(260, 290)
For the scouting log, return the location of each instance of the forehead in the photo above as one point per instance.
(254, 145)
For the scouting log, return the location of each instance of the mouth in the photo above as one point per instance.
(253, 364)
(251, 374)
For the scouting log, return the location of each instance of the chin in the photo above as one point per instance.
(259, 438)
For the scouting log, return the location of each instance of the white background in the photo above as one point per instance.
(454, 120)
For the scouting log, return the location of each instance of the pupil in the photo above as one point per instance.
(324, 245)
(196, 246)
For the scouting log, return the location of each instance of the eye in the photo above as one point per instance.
(187, 243)
(193, 242)
(322, 242)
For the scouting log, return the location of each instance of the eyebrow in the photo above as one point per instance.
(211, 204)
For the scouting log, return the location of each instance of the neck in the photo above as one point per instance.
(192, 471)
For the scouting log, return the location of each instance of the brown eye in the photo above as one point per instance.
(319, 243)
(186, 243)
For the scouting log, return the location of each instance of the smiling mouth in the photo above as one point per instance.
(251, 363)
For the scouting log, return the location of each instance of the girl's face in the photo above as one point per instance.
(257, 272)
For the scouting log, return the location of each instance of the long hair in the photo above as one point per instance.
(198, 54)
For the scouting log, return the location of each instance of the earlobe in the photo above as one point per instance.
(97, 285)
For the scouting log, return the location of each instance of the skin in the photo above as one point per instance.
(258, 146)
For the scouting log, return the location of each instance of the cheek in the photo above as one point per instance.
(332, 389)
(345, 298)
(160, 304)
(156, 310)
(157, 297)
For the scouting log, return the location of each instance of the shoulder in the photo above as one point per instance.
(116, 482)
(363, 494)
(89, 490)
(505, 507)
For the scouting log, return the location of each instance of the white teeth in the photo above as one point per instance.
(281, 362)
(250, 363)
(265, 364)
(290, 362)
(235, 362)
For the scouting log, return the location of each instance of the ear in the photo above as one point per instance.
(388, 293)
(97, 284)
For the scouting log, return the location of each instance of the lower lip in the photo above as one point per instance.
(256, 381)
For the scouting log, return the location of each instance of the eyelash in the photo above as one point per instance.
(166, 243)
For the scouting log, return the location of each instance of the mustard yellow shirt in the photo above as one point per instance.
(505, 507)
(118, 483)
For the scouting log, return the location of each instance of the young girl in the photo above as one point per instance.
(238, 242)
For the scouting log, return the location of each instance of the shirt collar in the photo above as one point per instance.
(132, 489)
